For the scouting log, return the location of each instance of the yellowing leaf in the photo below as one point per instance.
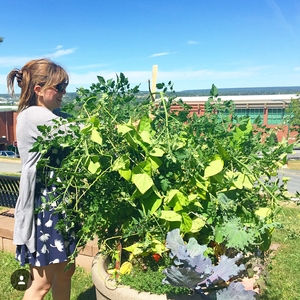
(95, 137)
(239, 181)
(214, 167)
(197, 225)
(170, 215)
(155, 162)
(93, 167)
(126, 267)
(157, 152)
(143, 182)
(263, 212)
(122, 162)
(146, 137)
(126, 174)
(123, 128)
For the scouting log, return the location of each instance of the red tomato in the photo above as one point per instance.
(156, 257)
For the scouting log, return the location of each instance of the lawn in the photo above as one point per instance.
(294, 164)
(284, 266)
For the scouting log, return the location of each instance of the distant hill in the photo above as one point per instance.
(204, 92)
(244, 91)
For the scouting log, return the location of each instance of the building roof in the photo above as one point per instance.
(8, 108)
(279, 100)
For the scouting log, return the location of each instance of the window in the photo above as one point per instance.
(252, 113)
(275, 115)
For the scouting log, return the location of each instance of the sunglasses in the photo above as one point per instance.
(60, 88)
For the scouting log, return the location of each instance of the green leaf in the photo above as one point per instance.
(155, 162)
(86, 129)
(224, 154)
(186, 223)
(125, 173)
(237, 236)
(144, 124)
(214, 91)
(122, 162)
(95, 121)
(143, 182)
(219, 237)
(214, 167)
(152, 202)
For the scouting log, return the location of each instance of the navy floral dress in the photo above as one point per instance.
(52, 245)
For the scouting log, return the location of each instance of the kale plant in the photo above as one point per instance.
(195, 270)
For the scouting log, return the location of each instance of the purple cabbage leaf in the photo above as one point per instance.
(226, 269)
(183, 277)
(235, 291)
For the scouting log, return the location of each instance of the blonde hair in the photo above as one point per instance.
(43, 72)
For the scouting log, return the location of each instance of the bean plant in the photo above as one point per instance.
(137, 166)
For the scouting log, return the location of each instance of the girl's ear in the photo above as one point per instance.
(38, 90)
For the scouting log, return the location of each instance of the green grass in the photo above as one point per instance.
(294, 164)
(284, 268)
(82, 286)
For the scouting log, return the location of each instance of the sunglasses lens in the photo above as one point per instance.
(61, 87)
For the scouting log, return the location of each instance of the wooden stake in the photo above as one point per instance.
(154, 79)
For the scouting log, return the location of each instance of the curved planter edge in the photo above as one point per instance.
(108, 290)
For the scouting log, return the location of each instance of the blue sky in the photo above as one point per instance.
(195, 43)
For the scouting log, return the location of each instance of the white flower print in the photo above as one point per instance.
(59, 245)
(55, 261)
(44, 237)
(37, 263)
(37, 254)
(49, 223)
(44, 249)
(38, 222)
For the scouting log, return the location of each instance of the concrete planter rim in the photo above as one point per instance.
(108, 290)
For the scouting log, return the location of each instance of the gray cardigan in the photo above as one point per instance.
(27, 132)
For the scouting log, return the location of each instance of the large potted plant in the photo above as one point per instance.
(136, 168)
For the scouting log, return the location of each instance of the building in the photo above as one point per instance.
(271, 109)
(8, 115)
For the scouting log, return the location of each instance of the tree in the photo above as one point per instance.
(293, 111)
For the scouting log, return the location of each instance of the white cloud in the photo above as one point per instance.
(178, 77)
(59, 47)
(282, 21)
(61, 52)
(19, 61)
(191, 42)
(159, 54)
(297, 69)
(91, 66)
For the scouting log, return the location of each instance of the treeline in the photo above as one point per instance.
(243, 91)
(206, 92)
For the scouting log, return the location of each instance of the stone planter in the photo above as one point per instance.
(107, 289)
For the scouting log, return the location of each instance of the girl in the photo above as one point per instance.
(43, 85)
